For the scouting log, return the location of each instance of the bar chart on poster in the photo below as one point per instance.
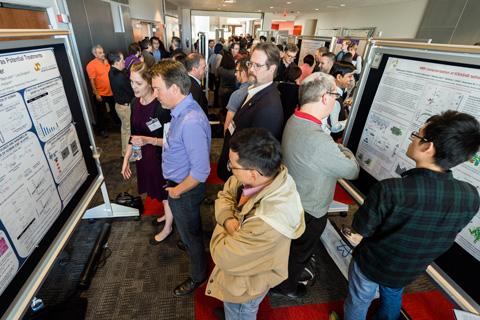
(43, 167)
(401, 90)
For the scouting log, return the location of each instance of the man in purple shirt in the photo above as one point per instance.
(185, 163)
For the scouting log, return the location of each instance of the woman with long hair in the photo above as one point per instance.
(148, 119)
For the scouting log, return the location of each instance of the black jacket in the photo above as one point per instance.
(121, 88)
(198, 94)
(263, 110)
(289, 98)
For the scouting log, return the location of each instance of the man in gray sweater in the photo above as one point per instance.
(315, 162)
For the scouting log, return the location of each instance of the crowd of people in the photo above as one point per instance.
(280, 160)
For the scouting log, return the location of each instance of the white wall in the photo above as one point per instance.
(397, 20)
(150, 10)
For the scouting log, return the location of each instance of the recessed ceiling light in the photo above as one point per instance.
(289, 2)
(342, 5)
(316, 9)
(271, 7)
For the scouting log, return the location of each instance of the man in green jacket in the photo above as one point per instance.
(258, 213)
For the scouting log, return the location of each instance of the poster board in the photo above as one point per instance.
(360, 42)
(402, 86)
(47, 170)
(309, 45)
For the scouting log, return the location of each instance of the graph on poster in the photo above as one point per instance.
(41, 162)
(408, 94)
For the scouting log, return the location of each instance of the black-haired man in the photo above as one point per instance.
(408, 222)
(258, 213)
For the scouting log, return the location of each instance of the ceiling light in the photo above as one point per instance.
(229, 1)
(342, 5)
(289, 2)
(316, 9)
(271, 7)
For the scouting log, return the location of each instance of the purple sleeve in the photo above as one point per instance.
(197, 145)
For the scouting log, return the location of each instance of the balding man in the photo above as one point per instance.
(196, 64)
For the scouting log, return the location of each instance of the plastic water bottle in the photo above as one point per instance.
(136, 153)
(37, 304)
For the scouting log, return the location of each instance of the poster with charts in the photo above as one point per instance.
(408, 94)
(41, 161)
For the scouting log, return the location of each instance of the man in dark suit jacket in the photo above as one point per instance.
(195, 65)
(289, 55)
(262, 107)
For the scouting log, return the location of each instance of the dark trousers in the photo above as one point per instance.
(302, 249)
(186, 214)
(101, 110)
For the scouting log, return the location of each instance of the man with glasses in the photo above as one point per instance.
(258, 213)
(315, 163)
(408, 222)
(262, 107)
(289, 55)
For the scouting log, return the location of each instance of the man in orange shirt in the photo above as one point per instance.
(97, 71)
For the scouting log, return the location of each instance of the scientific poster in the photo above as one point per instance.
(41, 161)
(408, 94)
(309, 47)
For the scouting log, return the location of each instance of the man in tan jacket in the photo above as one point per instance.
(258, 213)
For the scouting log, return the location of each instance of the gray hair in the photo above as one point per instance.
(95, 47)
(314, 87)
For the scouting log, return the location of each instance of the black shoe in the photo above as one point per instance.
(187, 287)
(156, 223)
(154, 241)
(181, 245)
(300, 292)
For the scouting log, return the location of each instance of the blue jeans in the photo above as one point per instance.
(243, 311)
(186, 214)
(361, 292)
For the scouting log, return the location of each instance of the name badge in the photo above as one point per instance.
(153, 124)
(166, 129)
(231, 127)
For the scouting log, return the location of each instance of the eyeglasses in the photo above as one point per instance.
(230, 168)
(254, 65)
(290, 56)
(415, 134)
(335, 94)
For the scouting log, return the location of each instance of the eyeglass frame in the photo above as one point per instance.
(335, 94)
(230, 168)
(254, 65)
(416, 134)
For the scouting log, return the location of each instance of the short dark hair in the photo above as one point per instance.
(293, 72)
(280, 47)
(133, 48)
(330, 55)
(290, 47)
(218, 48)
(113, 57)
(145, 43)
(455, 135)
(272, 53)
(172, 72)
(154, 38)
(258, 149)
(180, 57)
(342, 68)
(272, 39)
(309, 59)
(347, 57)
(193, 61)
(263, 38)
(177, 41)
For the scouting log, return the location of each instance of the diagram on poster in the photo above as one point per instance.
(14, 119)
(8, 262)
(48, 106)
(29, 198)
(409, 93)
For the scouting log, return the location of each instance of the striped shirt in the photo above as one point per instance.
(408, 222)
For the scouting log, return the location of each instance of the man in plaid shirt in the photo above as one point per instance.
(408, 222)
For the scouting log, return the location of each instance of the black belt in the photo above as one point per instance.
(170, 184)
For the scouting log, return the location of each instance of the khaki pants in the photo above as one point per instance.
(124, 113)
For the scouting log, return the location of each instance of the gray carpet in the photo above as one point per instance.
(137, 280)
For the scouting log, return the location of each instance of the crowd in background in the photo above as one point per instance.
(281, 157)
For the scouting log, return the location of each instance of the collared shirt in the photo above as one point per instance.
(121, 88)
(157, 55)
(237, 97)
(252, 90)
(336, 125)
(303, 115)
(187, 151)
(408, 222)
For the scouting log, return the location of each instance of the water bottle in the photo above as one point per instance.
(136, 153)
(37, 304)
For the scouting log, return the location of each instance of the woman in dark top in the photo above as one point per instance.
(147, 122)
(226, 75)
